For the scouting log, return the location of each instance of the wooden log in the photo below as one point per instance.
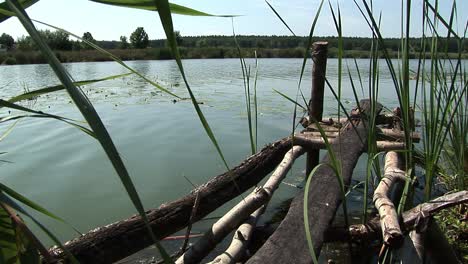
(240, 212)
(288, 243)
(383, 134)
(392, 134)
(416, 218)
(314, 142)
(392, 235)
(120, 239)
(319, 58)
(240, 242)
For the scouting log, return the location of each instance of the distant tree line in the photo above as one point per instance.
(139, 39)
(59, 40)
(288, 42)
(138, 46)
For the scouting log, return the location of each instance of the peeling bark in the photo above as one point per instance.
(391, 232)
(240, 242)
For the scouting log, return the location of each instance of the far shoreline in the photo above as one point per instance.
(35, 57)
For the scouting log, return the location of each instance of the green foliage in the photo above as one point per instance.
(56, 40)
(7, 40)
(453, 223)
(6, 11)
(88, 37)
(123, 43)
(139, 38)
(151, 6)
(15, 246)
(178, 37)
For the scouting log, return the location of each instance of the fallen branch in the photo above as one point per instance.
(414, 219)
(392, 235)
(240, 212)
(118, 240)
(242, 237)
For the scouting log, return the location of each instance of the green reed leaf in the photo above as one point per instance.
(150, 6)
(88, 111)
(5, 11)
(55, 88)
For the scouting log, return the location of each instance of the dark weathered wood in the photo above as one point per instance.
(288, 244)
(319, 57)
(120, 239)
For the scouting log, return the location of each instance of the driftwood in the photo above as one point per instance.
(240, 242)
(392, 235)
(120, 239)
(240, 212)
(288, 244)
(382, 134)
(313, 142)
(416, 218)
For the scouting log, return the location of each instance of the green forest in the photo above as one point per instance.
(138, 47)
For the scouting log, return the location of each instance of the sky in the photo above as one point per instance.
(256, 18)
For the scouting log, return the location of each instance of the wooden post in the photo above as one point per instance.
(319, 57)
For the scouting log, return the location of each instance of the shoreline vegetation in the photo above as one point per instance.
(215, 47)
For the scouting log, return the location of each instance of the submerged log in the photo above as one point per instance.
(288, 244)
(120, 239)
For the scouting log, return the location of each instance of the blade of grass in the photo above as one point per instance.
(113, 57)
(279, 16)
(7, 13)
(55, 88)
(149, 5)
(290, 99)
(166, 20)
(45, 115)
(308, 234)
(246, 82)
(89, 114)
(5, 199)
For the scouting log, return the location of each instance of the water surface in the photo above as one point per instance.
(161, 141)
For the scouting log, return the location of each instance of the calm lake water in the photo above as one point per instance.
(162, 143)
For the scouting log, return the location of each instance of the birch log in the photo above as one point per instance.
(413, 219)
(240, 212)
(310, 141)
(391, 232)
(382, 134)
(242, 237)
